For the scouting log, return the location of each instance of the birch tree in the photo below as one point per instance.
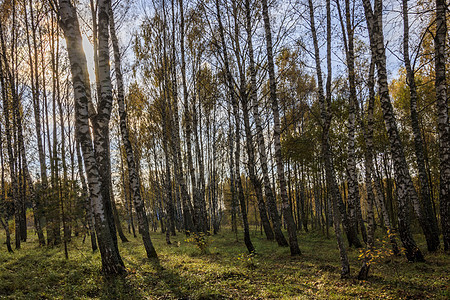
(426, 213)
(244, 100)
(268, 191)
(287, 210)
(443, 119)
(133, 174)
(111, 261)
(354, 206)
(325, 114)
(405, 188)
(237, 152)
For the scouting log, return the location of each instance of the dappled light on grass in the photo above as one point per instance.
(226, 272)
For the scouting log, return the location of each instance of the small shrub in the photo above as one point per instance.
(375, 255)
(248, 259)
(201, 240)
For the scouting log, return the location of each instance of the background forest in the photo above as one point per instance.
(207, 148)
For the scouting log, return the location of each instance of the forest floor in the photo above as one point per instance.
(225, 272)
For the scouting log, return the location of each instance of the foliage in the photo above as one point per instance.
(248, 259)
(379, 253)
(426, 108)
(201, 240)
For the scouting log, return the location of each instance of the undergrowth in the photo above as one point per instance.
(225, 271)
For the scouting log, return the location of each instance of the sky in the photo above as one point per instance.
(393, 31)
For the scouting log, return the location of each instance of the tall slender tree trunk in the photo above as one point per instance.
(176, 140)
(167, 129)
(244, 97)
(187, 117)
(268, 191)
(85, 196)
(102, 118)
(232, 181)
(3, 212)
(63, 194)
(111, 260)
(199, 200)
(115, 214)
(9, 142)
(354, 198)
(37, 118)
(369, 182)
(170, 210)
(197, 121)
(56, 197)
(325, 112)
(369, 160)
(443, 119)
(133, 174)
(424, 212)
(170, 218)
(237, 152)
(364, 271)
(257, 186)
(301, 196)
(49, 218)
(55, 206)
(405, 188)
(287, 210)
(127, 195)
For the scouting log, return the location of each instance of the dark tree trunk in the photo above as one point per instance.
(3, 212)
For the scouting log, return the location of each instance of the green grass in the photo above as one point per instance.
(224, 273)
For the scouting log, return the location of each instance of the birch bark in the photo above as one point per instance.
(405, 188)
(133, 174)
(443, 119)
(244, 99)
(332, 188)
(287, 210)
(111, 260)
(354, 197)
(237, 152)
(268, 191)
(424, 212)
